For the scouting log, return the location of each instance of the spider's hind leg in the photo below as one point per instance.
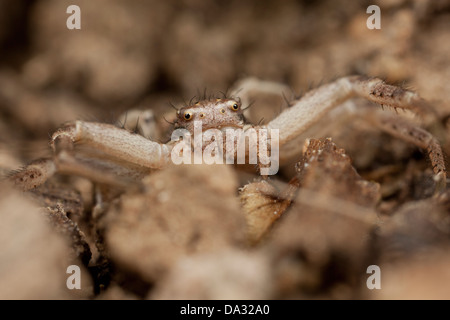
(403, 129)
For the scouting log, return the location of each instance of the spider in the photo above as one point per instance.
(107, 154)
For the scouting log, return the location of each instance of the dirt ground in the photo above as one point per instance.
(356, 197)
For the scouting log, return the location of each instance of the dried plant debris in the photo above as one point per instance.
(263, 204)
(324, 167)
(64, 209)
(33, 256)
(324, 239)
(63, 225)
(60, 197)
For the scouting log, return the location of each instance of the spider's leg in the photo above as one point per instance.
(100, 152)
(402, 129)
(97, 170)
(316, 103)
(33, 175)
(312, 106)
(115, 142)
(105, 153)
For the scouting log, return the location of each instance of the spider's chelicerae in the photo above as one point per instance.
(108, 154)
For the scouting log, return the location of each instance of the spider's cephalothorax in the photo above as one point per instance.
(213, 114)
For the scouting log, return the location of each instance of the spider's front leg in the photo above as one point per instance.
(316, 103)
(313, 105)
(100, 152)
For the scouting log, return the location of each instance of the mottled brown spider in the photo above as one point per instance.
(111, 155)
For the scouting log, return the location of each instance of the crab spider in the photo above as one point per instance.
(111, 155)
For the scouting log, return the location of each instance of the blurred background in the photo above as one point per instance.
(147, 54)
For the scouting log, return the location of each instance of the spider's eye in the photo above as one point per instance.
(234, 107)
(222, 111)
(187, 115)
